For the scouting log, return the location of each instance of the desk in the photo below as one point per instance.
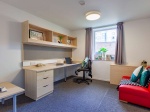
(12, 91)
(50, 67)
(39, 80)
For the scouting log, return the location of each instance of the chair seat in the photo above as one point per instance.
(135, 90)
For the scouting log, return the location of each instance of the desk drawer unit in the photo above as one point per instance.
(38, 84)
(44, 82)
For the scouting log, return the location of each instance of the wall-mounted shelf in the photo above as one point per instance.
(73, 41)
(35, 35)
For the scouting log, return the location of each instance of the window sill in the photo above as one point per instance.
(104, 60)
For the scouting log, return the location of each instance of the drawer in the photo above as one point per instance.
(46, 81)
(44, 89)
(45, 74)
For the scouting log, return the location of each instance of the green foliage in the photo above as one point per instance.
(103, 50)
(60, 37)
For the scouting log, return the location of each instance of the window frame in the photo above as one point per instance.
(93, 42)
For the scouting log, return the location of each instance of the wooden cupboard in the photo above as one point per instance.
(117, 71)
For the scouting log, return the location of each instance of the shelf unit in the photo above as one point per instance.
(73, 41)
(49, 38)
(57, 35)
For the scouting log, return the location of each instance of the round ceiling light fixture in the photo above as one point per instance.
(92, 15)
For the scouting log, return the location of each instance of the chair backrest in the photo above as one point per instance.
(89, 64)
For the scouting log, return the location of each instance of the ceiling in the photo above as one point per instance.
(71, 15)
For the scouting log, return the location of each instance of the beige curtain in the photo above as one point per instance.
(88, 43)
(119, 44)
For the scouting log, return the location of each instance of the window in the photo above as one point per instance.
(105, 38)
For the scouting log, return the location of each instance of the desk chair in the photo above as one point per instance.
(86, 70)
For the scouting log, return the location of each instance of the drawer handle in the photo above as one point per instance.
(45, 78)
(45, 86)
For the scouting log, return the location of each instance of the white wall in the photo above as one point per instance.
(137, 41)
(79, 53)
(101, 70)
(136, 47)
(11, 20)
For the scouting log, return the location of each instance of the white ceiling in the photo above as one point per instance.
(71, 15)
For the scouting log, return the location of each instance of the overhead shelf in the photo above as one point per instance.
(49, 44)
(35, 35)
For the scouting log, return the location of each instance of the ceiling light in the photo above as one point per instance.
(92, 15)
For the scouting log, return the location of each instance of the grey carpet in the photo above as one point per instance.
(99, 96)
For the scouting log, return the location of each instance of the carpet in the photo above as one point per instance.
(99, 96)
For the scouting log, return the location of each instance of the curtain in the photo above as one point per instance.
(88, 43)
(119, 44)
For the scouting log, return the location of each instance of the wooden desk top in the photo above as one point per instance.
(11, 90)
(47, 67)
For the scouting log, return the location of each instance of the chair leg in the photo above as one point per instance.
(83, 75)
(83, 79)
(89, 79)
(87, 82)
(79, 81)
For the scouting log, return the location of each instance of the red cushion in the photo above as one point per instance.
(126, 77)
(135, 90)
